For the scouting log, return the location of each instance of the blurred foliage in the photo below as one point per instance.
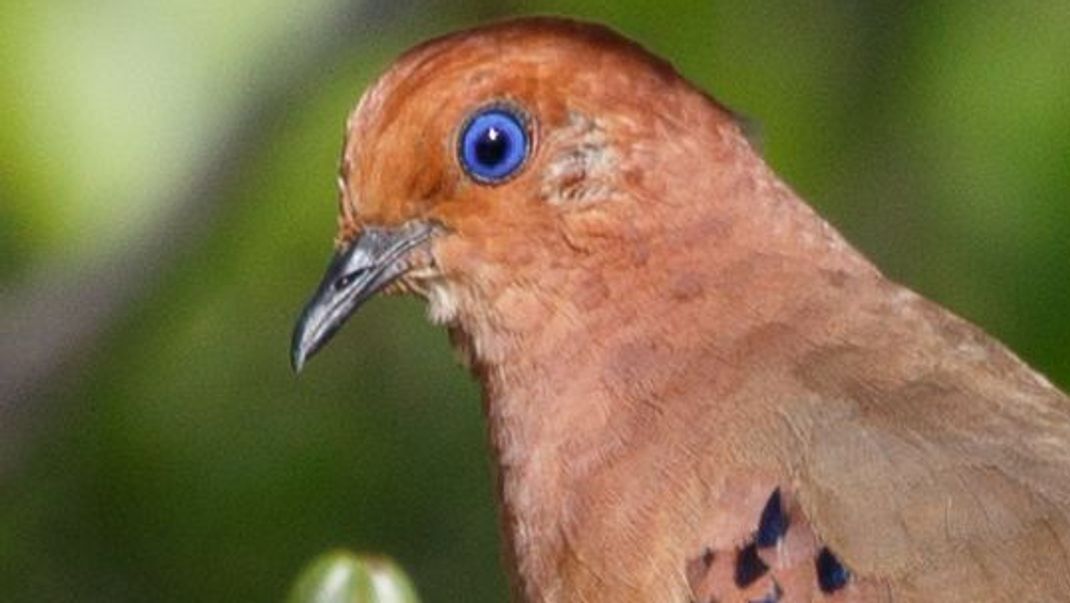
(181, 461)
(342, 577)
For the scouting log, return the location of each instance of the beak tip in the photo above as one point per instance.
(297, 362)
(307, 342)
(300, 351)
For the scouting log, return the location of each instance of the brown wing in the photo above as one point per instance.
(914, 456)
(933, 460)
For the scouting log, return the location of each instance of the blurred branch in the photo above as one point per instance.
(59, 314)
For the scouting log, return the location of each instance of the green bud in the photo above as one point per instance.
(343, 577)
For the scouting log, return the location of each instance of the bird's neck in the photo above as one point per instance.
(579, 367)
(555, 425)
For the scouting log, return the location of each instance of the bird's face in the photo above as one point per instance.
(488, 160)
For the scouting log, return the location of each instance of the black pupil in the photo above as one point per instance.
(492, 147)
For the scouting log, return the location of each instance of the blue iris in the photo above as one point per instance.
(494, 144)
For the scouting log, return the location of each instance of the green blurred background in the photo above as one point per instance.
(167, 198)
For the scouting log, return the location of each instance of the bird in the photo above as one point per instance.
(695, 389)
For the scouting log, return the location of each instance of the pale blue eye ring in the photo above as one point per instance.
(494, 144)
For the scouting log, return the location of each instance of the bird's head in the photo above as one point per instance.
(507, 171)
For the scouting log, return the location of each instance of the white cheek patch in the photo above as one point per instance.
(442, 305)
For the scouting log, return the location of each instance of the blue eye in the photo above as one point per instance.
(494, 144)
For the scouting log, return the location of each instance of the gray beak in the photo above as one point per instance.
(355, 273)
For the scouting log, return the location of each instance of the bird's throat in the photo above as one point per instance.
(562, 422)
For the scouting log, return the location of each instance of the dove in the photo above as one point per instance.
(695, 388)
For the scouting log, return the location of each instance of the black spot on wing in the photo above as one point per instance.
(831, 574)
(749, 566)
(773, 523)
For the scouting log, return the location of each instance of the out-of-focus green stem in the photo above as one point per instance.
(343, 577)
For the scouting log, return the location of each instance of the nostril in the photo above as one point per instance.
(346, 280)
